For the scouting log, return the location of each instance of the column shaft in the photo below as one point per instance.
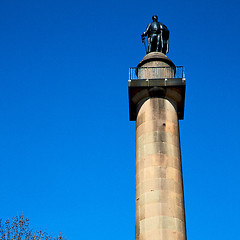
(159, 188)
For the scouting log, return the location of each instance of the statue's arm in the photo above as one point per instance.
(146, 32)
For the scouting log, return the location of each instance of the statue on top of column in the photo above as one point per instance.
(158, 36)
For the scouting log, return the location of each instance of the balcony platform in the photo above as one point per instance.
(140, 90)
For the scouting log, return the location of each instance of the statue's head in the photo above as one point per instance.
(155, 18)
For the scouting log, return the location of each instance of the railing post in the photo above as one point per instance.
(165, 77)
(183, 74)
(147, 73)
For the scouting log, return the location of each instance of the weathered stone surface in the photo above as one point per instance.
(159, 189)
(154, 172)
(159, 159)
(162, 222)
(162, 234)
(156, 59)
(166, 208)
(158, 136)
(158, 125)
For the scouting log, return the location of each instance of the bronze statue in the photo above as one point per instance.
(158, 36)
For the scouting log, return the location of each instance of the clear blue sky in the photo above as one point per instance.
(67, 148)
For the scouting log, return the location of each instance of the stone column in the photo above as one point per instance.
(159, 188)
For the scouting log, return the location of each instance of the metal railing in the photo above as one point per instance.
(150, 73)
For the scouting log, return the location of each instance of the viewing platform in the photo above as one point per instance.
(156, 75)
(145, 82)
